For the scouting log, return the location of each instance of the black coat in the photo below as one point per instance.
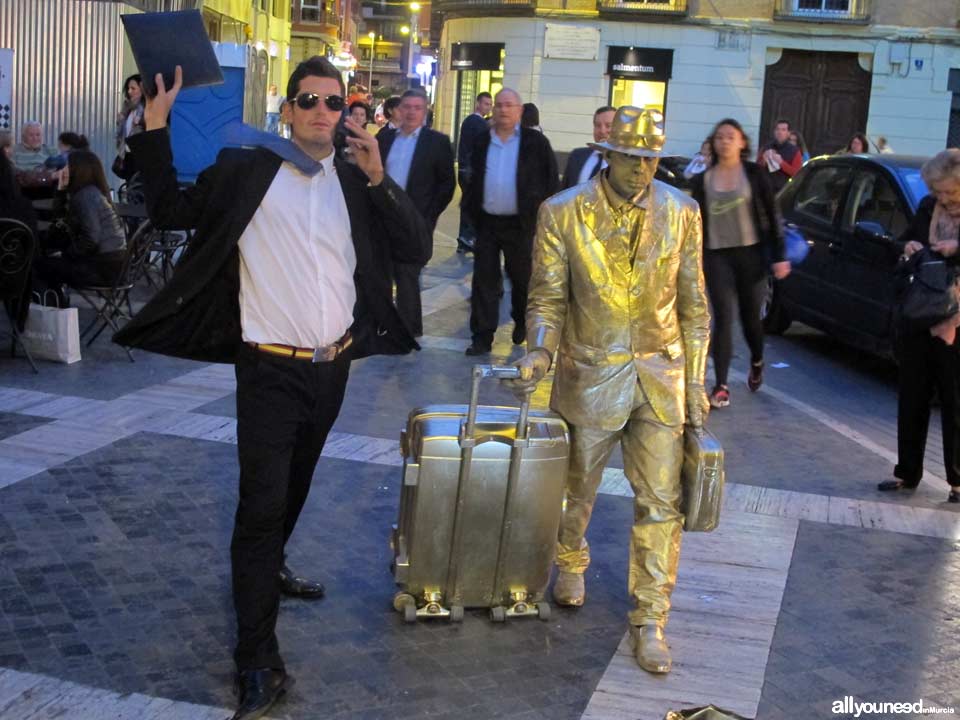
(430, 182)
(473, 126)
(197, 314)
(575, 162)
(766, 216)
(537, 177)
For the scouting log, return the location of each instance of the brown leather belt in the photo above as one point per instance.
(328, 353)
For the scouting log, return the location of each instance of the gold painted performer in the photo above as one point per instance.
(617, 292)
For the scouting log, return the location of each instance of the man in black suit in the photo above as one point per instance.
(583, 163)
(513, 171)
(419, 160)
(283, 278)
(473, 126)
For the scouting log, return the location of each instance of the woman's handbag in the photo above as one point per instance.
(931, 293)
(117, 168)
(701, 479)
(795, 244)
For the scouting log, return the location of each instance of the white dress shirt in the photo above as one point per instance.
(500, 181)
(586, 172)
(400, 157)
(297, 262)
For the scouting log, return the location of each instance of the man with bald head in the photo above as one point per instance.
(513, 171)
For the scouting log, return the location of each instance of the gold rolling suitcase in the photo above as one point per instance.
(702, 480)
(480, 507)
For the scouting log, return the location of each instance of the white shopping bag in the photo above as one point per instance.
(52, 333)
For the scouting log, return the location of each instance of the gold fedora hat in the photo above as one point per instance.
(635, 132)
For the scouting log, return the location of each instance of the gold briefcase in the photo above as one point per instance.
(702, 480)
(709, 712)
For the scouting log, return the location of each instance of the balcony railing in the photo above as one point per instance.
(645, 7)
(485, 7)
(318, 16)
(843, 11)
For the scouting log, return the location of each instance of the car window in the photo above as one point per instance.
(873, 198)
(821, 194)
(915, 185)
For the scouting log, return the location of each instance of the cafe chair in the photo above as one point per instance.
(112, 302)
(16, 256)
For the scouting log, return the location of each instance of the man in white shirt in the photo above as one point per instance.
(285, 278)
(419, 160)
(583, 163)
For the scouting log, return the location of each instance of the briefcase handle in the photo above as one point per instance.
(497, 372)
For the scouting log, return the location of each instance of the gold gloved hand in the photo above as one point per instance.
(533, 367)
(698, 405)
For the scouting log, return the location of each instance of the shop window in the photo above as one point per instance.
(645, 94)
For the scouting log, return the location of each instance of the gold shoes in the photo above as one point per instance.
(650, 648)
(569, 589)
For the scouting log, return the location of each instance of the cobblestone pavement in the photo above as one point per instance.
(118, 485)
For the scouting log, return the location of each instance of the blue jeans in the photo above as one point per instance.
(273, 123)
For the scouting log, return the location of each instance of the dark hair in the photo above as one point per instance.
(530, 117)
(782, 121)
(801, 143)
(604, 109)
(389, 105)
(315, 66)
(86, 169)
(9, 187)
(359, 104)
(74, 141)
(863, 141)
(482, 95)
(744, 154)
(414, 92)
(126, 86)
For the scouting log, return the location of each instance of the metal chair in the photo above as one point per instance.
(17, 245)
(114, 300)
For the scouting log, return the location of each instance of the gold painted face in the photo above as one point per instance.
(629, 175)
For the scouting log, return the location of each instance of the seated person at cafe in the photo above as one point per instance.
(14, 205)
(30, 153)
(6, 145)
(67, 142)
(89, 236)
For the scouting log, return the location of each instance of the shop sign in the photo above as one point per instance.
(640, 63)
(571, 42)
(475, 56)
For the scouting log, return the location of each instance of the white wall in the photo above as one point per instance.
(910, 106)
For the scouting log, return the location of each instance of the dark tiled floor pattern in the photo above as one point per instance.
(14, 423)
(114, 572)
(866, 613)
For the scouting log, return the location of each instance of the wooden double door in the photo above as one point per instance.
(824, 95)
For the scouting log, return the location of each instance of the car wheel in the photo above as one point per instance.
(772, 313)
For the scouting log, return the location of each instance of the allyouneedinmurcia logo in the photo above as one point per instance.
(849, 706)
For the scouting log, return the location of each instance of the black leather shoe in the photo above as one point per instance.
(954, 496)
(894, 486)
(519, 335)
(258, 690)
(478, 349)
(295, 586)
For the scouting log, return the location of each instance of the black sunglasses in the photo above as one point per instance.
(308, 101)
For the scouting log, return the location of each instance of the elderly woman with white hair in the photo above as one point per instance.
(930, 358)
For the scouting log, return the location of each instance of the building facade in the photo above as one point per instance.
(831, 67)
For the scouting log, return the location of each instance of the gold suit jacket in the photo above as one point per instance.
(612, 323)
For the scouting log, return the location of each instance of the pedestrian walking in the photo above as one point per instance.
(584, 163)
(743, 243)
(780, 158)
(474, 125)
(274, 100)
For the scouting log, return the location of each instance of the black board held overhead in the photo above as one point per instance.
(161, 41)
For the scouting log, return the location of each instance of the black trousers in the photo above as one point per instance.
(735, 276)
(496, 234)
(467, 231)
(285, 409)
(926, 364)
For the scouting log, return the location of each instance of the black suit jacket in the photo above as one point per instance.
(575, 161)
(473, 126)
(197, 313)
(537, 177)
(430, 182)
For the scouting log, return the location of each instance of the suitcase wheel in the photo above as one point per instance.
(410, 613)
(498, 614)
(402, 600)
(456, 613)
(543, 610)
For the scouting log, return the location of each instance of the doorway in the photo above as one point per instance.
(824, 95)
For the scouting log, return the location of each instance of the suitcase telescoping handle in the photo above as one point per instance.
(498, 372)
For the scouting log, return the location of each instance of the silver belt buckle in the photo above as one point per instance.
(325, 354)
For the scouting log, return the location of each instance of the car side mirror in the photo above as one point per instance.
(869, 230)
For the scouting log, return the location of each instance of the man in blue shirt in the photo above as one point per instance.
(513, 170)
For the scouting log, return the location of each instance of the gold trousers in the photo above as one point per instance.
(652, 458)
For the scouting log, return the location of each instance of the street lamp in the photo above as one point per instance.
(373, 47)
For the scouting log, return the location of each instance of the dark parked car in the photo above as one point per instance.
(852, 210)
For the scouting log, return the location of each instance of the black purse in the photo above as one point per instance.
(931, 294)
